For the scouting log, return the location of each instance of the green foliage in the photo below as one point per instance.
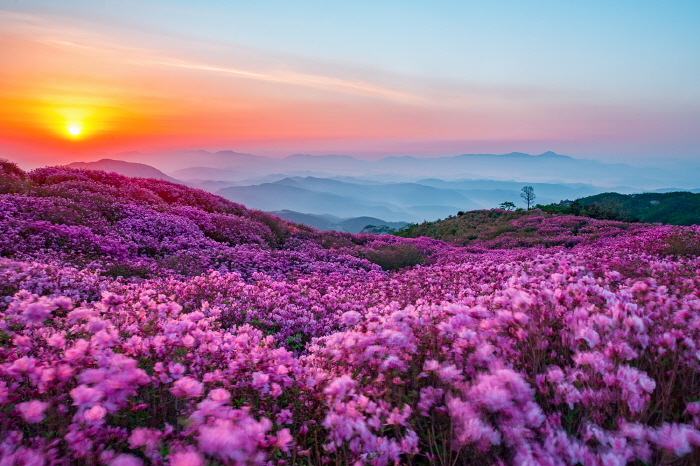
(507, 205)
(395, 256)
(476, 224)
(683, 243)
(677, 208)
(127, 270)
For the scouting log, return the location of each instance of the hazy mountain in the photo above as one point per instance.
(548, 167)
(400, 194)
(393, 202)
(275, 196)
(402, 188)
(330, 222)
(491, 193)
(132, 169)
(356, 225)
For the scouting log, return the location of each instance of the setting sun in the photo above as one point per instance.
(74, 129)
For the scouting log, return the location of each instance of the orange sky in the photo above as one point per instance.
(135, 90)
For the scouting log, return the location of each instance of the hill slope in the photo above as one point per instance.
(131, 169)
(673, 208)
(238, 338)
(495, 229)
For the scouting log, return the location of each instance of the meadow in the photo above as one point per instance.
(144, 322)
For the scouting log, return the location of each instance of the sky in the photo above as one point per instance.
(612, 80)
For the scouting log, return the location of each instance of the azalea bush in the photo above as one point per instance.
(143, 322)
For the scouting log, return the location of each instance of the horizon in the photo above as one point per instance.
(124, 155)
(597, 81)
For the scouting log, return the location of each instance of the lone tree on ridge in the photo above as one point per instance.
(528, 194)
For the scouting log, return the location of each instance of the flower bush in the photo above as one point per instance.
(143, 322)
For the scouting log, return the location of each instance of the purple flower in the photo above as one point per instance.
(33, 411)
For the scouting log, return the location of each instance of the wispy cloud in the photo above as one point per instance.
(144, 56)
(350, 86)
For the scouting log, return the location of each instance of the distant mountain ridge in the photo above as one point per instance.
(131, 169)
(548, 167)
(330, 222)
(405, 188)
(393, 202)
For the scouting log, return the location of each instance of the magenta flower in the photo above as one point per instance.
(350, 318)
(187, 387)
(33, 411)
(36, 312)
(125, 460)
(94, 414)
(84, 396)
(220, 394)
(187, 458)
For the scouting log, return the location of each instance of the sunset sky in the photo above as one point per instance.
(601, 79)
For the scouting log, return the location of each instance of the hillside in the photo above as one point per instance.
(497, 229)
(143, 322)
(672, 208)
(137, 227)
(131, 169)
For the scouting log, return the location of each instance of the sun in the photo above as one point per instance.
(74, 129)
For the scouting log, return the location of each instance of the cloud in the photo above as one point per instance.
(64, 37)
(329, 83)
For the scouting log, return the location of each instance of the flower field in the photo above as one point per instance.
(144, 322)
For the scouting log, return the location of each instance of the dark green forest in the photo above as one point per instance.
(676, 208)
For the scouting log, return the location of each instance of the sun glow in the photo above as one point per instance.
(74, 129)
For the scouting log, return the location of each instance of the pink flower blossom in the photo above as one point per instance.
(94, 414)
(33, 411)
(36, 312)
(187, 387)
(186, 458)
(220, 394)
(125, 460)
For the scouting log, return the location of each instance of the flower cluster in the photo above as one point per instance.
(143, 322)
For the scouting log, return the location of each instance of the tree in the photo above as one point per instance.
(507, 205)
(528, 194)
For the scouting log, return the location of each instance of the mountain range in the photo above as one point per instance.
(547, 167)
(395, 189)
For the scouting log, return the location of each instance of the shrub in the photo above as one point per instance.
(395, 256)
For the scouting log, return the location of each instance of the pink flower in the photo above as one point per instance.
(260, 381)
(36, 312)
(340, 386)
(4, 392)
(677, 438)
(33, 411)
(284, 438)
(177, 370)
(94, 414)
(143, 437)
(276, 390)
(186, 458)
(85, 396)
(431, 365)
(350, 318)
(125, 460)
(220, 394)
(187, 387)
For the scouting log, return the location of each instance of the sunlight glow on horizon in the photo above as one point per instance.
(79, 77)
